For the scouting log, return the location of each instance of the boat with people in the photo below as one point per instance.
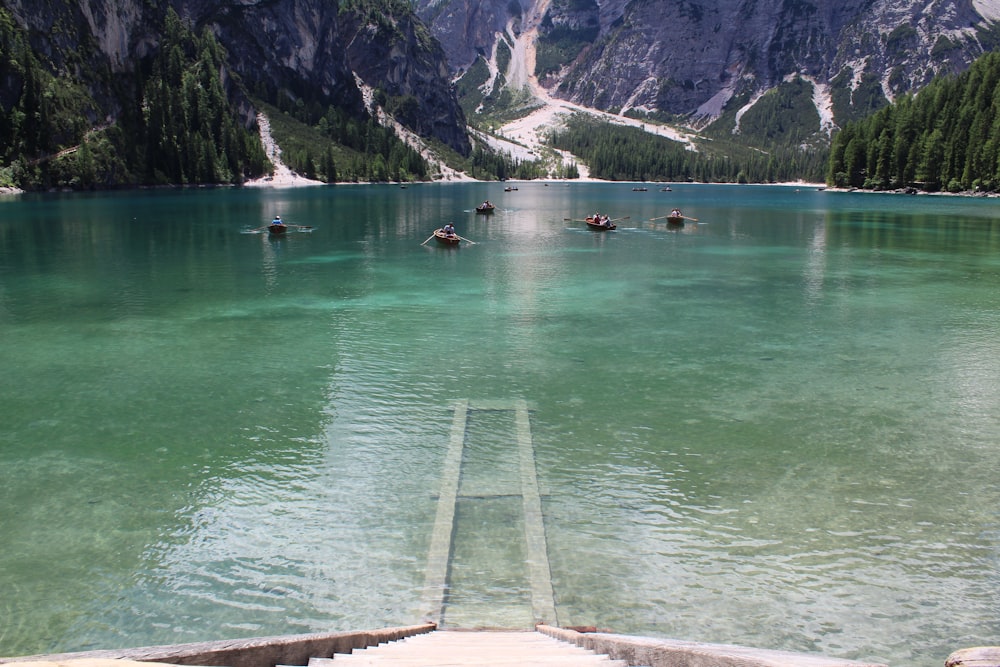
(600, 223)
(486, 207)
(447, 237)
(277, 226)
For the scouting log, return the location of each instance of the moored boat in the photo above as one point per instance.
(444, 238)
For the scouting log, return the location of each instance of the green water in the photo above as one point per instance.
(777, 427)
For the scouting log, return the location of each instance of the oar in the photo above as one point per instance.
(466, 240)
(659, 218)
(428, 239)
(691, 219)
(573, 220)
(625, 218)
(299, 226)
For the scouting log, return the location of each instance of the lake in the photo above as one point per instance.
(777, 426)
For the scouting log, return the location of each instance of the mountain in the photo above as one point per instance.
(302, 56)
(690, 61)
(165, 91)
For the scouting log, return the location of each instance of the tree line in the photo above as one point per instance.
(617, 153)
(177, 125)
(944, 138)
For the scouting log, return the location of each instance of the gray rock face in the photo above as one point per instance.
(690, 57)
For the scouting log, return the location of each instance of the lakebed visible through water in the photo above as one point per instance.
(777, 426)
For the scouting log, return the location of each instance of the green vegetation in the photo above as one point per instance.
(188, 128)
(332, 146)
(945, 138)
(177, 124)
(619, 153)
(560, 44)
(778, 138)
(489, 165)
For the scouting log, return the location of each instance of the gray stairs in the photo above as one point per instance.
(444, 648)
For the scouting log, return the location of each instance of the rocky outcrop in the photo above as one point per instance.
(398, 56)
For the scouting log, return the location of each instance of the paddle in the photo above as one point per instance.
(691, 219)
(466, 240)
(573, 220)
(659, 218)
(428, 239)
(617, 219)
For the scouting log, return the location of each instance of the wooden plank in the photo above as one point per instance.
(539, 574)
(439, 557)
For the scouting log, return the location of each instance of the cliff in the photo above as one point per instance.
(283, 52)
(690, 59)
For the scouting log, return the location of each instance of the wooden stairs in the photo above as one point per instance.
(482, 648)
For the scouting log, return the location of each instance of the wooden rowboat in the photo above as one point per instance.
(277, 230)
(444, 239)
(485, 208)
(677, 220)
(600, 226)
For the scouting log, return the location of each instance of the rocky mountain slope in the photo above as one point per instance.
(691, 60)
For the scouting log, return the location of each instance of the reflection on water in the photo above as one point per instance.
(775, 427)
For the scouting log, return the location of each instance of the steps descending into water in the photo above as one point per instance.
(485, 649)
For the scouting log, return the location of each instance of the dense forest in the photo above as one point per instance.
(327, 144)
(618, 153)
(945, 138)
(177, 125)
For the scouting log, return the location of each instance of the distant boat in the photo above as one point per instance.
(509, 189)
(444, 238)
(666, 189)
(485, 207)
(639, 189)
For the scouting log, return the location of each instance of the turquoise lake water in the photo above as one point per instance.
(777, 427)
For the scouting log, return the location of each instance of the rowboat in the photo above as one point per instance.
(485, 208)
(277, 229)
(675, 220)
(444, 238)
(600, 226)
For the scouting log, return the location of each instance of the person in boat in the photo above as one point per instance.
(606, 221)
(449, 230)
(676, 213)
(277, 221)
